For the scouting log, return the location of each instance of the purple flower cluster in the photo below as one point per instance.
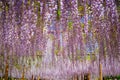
(57, 39)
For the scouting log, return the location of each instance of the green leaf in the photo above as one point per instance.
(78, 57)
(56, 51)
(29, 61)
(58, 14)
(88, 57)
(0, 9)
(70, 25)
(51, 36)
(82, 25)
(58, 10)
(80, 8)
(6, 8)
(18, 66)
(28, 2)
(38, 52)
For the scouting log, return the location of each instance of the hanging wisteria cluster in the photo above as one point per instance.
(57, 39)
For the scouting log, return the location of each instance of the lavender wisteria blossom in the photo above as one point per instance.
(59, 39)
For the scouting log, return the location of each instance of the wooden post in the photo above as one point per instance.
(6, 70)
(23, 74)
(32, 77)
(38, 77)
(82, 77)
(101, 71)
(75, 77)
(88, 76)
